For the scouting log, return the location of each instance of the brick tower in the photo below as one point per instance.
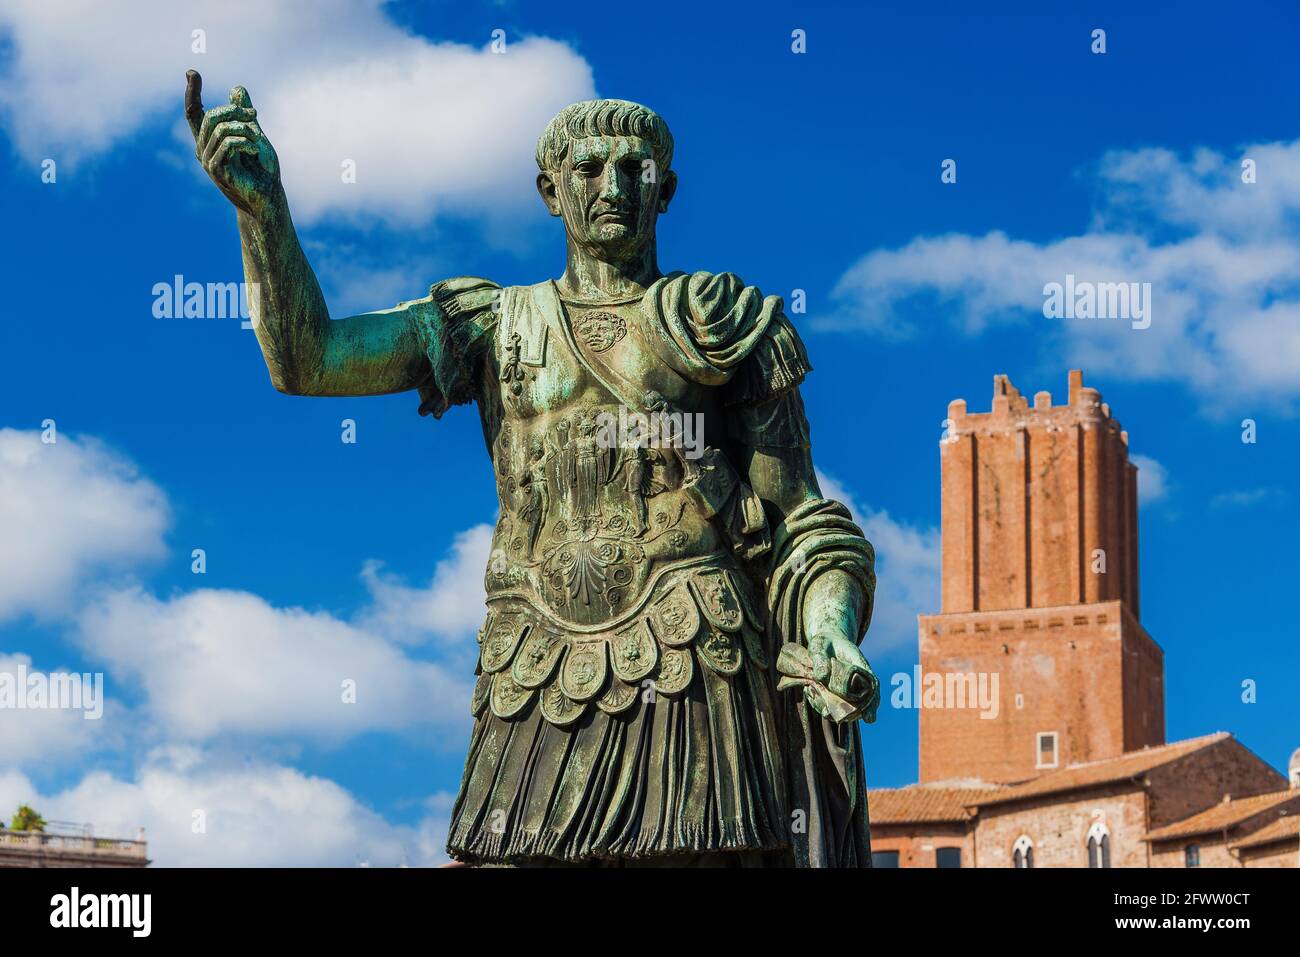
(1040, 587)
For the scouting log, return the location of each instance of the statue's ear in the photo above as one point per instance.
(547, 190)
(667, 191)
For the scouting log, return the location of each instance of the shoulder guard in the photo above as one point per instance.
(454, 323)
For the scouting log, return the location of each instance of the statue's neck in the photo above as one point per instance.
(592, 279)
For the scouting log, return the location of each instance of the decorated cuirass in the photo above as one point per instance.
(608, 571)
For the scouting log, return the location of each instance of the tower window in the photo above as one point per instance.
(1047, 752)
(947, 857)
(1192, 855)
(884, 858)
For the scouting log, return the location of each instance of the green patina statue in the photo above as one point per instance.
(669, 669)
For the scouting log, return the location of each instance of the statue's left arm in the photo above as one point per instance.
(820, 575)
(817, 566)
(822, 579)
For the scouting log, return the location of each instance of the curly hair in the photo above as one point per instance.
(603, 118)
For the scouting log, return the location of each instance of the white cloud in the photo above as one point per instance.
(217, 662)
(1222, 258)
(430, 126)
(1153, 479)
(77, 517)
(69, 509)
(1204, 191)
(212, 665)
(53, 735)
(1245, 498)
(255, 815)
(907, 571)
(452, 605)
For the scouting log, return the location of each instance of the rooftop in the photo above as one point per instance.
(926, 803)
(1224, 815)
(1094, 773)
(1283, 829)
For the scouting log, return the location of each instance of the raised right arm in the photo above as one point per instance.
(306, 352)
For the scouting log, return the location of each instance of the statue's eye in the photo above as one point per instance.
(587, 168)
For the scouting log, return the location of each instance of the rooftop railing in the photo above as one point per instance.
(46, 842)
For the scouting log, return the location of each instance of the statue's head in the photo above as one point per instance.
(605, 169)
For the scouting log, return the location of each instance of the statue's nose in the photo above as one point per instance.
(613, 189)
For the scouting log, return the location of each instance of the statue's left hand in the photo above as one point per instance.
(849, 677)
(837, 680)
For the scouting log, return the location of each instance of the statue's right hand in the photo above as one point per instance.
(232, 148)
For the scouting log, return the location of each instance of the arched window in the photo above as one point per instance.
(1098, 845)
(1022, 852)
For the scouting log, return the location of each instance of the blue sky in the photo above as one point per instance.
(817, 171)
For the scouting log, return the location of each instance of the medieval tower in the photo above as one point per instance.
(1040, 587)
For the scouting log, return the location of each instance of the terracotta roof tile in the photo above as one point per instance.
(1279, 830)
(922, 803)
(1223, 815)
(1077, 776)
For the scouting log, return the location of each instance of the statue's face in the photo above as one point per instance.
(609, 194)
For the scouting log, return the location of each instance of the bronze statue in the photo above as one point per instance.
(669, 669)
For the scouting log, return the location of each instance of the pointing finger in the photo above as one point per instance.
(194, 100)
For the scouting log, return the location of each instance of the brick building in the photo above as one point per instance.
(1065, 763)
